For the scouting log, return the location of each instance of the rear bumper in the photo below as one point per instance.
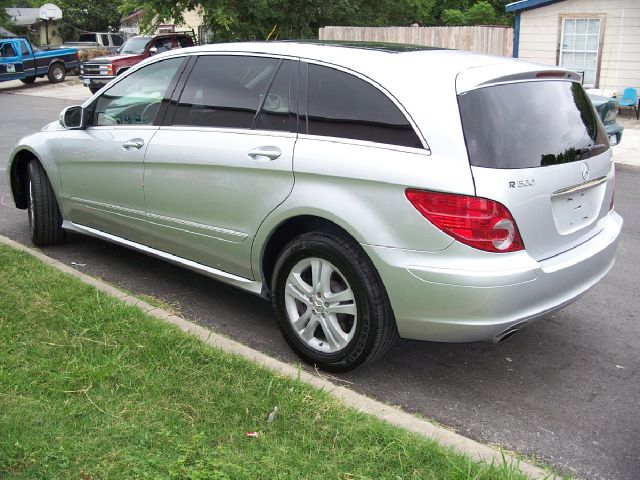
(460, 295)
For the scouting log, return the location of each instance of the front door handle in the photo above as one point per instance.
(133, 143)
(264, 153)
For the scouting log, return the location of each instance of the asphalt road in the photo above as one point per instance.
(565, 390)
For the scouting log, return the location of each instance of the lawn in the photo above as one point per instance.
(91, 388)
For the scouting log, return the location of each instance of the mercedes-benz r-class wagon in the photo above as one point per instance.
(367, 191)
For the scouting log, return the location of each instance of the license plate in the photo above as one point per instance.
(87, 82)
(613, 140)
(11, 68)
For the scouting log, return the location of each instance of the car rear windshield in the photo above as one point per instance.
(530, 124)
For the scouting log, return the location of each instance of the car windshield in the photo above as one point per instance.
(135, 45)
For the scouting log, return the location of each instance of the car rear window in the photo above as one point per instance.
(530, 124)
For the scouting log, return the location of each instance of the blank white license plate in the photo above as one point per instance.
(11, 68)
(613, 140)
(87, 82)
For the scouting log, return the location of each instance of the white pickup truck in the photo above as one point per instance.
(104, 41)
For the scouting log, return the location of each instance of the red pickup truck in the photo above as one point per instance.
(97, 72)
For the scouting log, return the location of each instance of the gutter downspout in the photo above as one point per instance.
(516, 35)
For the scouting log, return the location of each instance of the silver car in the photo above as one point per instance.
(369, 192)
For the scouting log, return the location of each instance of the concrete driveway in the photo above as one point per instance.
(565, 390)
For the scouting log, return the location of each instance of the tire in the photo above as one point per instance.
(56, 73)
(45, 219)
(94, 89)
(28, 80)
(356, 328)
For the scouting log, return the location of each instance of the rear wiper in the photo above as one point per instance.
(591, 148)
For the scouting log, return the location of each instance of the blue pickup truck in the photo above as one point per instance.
(19, 60)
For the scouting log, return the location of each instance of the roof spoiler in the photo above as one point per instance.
(488, 75)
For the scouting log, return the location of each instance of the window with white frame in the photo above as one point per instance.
(579, 47)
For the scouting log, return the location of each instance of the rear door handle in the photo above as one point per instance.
(264, 153)
(133, 143)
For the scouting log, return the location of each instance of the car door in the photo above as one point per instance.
(101, 167)
(223, 160)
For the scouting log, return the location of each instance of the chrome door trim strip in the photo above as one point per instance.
(581, 187)
(236, 237)
(246, 284)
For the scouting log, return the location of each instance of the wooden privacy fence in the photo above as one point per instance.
(490, 40)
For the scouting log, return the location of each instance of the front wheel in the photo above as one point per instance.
(330, 303)
(28, 80)
(45, 219)
(94, 89)
(56, 73)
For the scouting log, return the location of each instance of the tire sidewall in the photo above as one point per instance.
(357, 350)
(52, 73)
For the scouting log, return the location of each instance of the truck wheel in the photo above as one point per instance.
(56, 73)
(28, 80)
(45, 219)
(94, 89)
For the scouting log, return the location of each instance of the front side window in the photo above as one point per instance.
(136, 99)
(105, 39)
(225, 91)
(579, 47)
(343, 105)
(116, 40)
(24, 49)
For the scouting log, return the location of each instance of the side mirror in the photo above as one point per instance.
(153, 50)
(72, 118)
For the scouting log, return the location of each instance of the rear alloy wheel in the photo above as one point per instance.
(56, 73)
(330, 302)
(28, 80)
(45, 219)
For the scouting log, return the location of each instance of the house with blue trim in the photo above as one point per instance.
(598, 38)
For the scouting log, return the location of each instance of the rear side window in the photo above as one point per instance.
(530, 124)
(343, 105)
(184, 41)
(7, 50)
(105, 39)
(226, 91)
(24, 49)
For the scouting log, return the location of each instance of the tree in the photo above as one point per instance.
(83, 15)
(481, 13)
(454, 17)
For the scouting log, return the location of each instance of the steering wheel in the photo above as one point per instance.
(149, 113)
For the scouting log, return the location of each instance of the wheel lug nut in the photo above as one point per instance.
(326, 304)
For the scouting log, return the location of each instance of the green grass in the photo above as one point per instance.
(91, 388)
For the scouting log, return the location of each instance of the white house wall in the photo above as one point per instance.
(620, 48)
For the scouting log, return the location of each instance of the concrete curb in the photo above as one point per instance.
(392, 415)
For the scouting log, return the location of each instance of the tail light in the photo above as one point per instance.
(478, 222)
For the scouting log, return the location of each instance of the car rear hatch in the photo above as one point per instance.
(536, 145)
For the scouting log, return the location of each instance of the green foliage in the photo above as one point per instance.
(454, 17)
(82, 15)
(232, 20)
(481, 13)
